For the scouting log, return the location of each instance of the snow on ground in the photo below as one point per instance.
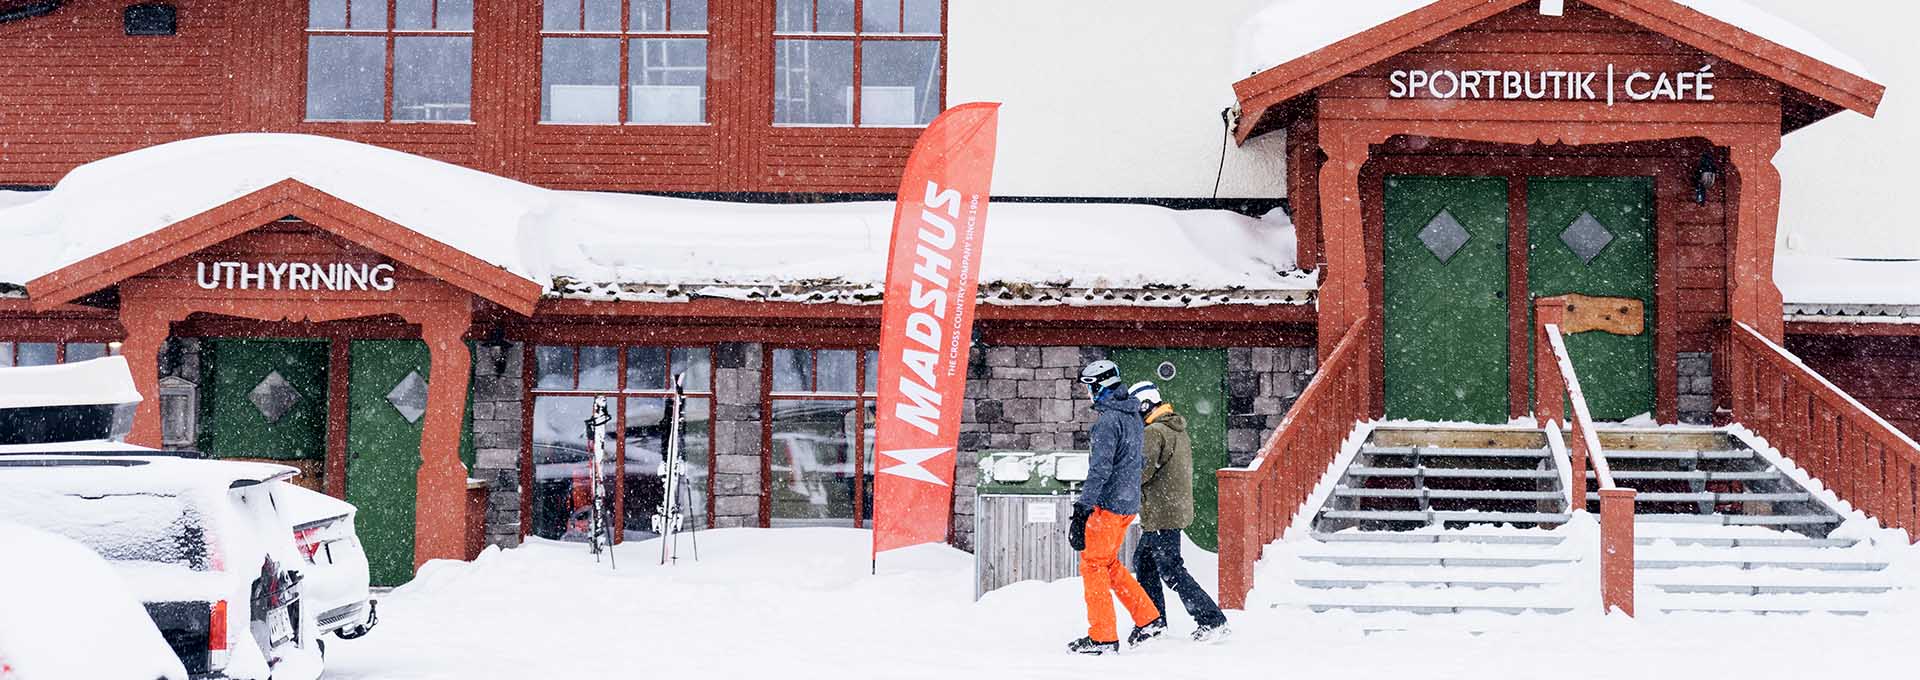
(799, 603)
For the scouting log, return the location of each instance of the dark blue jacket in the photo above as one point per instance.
(1113, 474)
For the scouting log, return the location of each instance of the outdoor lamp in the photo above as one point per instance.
(1706, 175)
(497, 341)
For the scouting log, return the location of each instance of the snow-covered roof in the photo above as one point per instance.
(634, 247)
(1286, 30)
(102, 381)
(1830, 288)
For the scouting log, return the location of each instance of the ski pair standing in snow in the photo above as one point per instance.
(1108, 502)
(1166, 507)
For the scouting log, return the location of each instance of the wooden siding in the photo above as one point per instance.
(1879, 371)
(80, 90)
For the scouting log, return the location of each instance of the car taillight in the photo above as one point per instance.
(217, 635)
(309, 541)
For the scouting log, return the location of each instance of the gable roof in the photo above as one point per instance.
(1289, 57)
(264, 206)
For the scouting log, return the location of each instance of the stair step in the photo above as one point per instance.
(1740, 520)
(1742, 589)
(1426, 452)
(1358, 583)
(1762, 612)
(1449, 516)
(1449, 494)
(1709, 497)
(1435, 609)
(1750, 542)
(1693, 475)
(1761, 564)
(1449, 537)
(1433, 561)
(1450, 473)
(1634, 454)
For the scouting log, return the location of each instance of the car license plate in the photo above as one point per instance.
(279, 626)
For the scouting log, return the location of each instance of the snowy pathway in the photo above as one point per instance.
(798, 603)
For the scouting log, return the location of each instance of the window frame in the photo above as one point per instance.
(618, 394)
(861, 397)
(11, 346)
(625, 37)
(858, 37)
(388, 34)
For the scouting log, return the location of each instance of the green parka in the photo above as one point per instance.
(1166, 485)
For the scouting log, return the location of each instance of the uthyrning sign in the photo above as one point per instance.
(331, 276)
(1612, 85)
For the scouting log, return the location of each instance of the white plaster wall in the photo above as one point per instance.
(1850, 180)
(1110, 98)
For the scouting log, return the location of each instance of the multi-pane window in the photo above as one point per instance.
(637, 382)
(638, 61)
(890, 48)
(377, 60)
(49, 353)
(822, 405)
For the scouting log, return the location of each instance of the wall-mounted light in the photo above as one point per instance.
(1705, 175)
(497, 342)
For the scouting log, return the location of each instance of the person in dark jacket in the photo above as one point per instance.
(1166, 507)
(1108, 502)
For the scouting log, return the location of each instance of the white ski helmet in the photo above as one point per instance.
(1100, 375)
(1147, 393)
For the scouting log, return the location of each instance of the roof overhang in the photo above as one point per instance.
(1264, 97)
(287, 197)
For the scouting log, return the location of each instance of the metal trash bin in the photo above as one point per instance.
(1023, 504)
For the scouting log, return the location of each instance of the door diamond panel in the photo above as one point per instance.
(409, 397)
(1587, 237)
(273, 396)
(1444, 236)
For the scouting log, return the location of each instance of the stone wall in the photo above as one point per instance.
(738, 434)
(1262, 384)
(1696, 388)
(497, 424)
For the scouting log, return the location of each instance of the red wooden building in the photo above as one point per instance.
(407, 325)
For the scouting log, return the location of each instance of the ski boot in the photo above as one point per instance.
(1211, 633)
(1089, 647)
(1152, 630)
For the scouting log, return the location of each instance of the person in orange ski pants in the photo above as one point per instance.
(1109, 500)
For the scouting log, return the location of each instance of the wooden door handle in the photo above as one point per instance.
(1619, 316)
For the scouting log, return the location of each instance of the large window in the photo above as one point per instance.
(637, 384)
(638, 61)
(378, 60)
(49, 353)
(822, 408)
(890, 47)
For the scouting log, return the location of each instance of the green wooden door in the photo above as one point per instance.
(387, 396)
(1594, 236)
(265, 399)
(1194, 381)
(1445, 317)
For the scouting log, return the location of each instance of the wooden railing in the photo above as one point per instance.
(1259, 502)
(1858, 455)
(1560, 400)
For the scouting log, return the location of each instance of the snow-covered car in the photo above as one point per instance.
(87, 404)
(337, 584)
(200, 542)
(62, 605)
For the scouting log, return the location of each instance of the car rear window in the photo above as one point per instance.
(128, 527)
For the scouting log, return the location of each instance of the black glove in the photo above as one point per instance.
(1077, 528)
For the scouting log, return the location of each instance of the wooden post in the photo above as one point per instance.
(1238, 546)
(1343, 286)
(441, 485)
(1548, 386)
(1754, 299)
(1616, 549)
(146, 335)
